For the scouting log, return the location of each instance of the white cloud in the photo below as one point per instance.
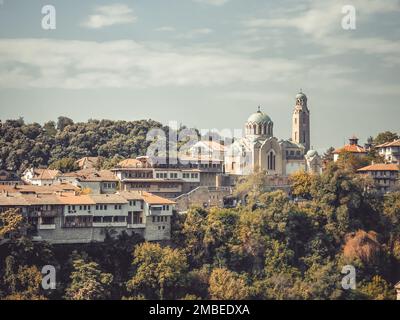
(109, 15)
(165, 29)
(213, 2)
(195, 33)
(320, 23)
(48, 63)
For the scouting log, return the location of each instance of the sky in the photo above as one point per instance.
(205, 63)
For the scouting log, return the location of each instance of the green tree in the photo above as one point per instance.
(228, 285)
(160, 272)
(384, 137)
(88, 282)
(64, 165)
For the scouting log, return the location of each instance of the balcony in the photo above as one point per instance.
(136, 226)
(109, 224)
(47, 226)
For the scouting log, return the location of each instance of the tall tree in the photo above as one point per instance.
(88, 282)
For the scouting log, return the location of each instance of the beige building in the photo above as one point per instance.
(68, 217)
(259, 149)
(390, 151)
(386, 176)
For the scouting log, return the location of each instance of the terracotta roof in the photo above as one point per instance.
(153, 199)
(91, 175)
(21, 188)
(12, 200)
(131, 163)
(395, 143)
(45, 174)
(108, 198)
(42, 199)
(381, 167)
(130, 195)
(353, 148)
(87, 162)
(73, 199)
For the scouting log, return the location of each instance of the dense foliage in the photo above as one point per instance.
(26, 145)
(270, 248)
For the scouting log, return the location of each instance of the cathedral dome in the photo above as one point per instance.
(301, 95)
(312, 153)
(259, 125)
(259, 117)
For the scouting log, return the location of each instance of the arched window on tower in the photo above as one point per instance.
(304, 136)
(295, 136)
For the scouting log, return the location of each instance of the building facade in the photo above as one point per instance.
(259, 149)
(71, 218)
(386, 176)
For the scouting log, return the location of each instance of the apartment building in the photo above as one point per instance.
(168, 180)
(62, 218)
(390, 151)
(98, 181)
(386, 176)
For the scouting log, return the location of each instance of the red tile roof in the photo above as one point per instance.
(353, 148)
(395, 143)
(380, 167)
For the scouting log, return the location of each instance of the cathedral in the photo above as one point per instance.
(259, 149)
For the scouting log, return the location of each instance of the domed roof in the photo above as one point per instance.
(301, 95)
(312, 153)
(259, 117)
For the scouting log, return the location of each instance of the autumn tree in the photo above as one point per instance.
(88, 282)
(301, 183)
(228, 285)
(160, 271)
(11, 222)
(22, 282)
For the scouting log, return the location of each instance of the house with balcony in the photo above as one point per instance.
(62, 218)
(390, 151)
(385, 176)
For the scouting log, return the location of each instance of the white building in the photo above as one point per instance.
(390, 151)
(40, 177)
(259, 149)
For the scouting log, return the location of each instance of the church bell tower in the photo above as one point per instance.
(301, 121)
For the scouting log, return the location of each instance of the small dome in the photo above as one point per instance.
(301, 95)
(259, 117)
(312, 153)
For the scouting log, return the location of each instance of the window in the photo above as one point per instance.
(47, 220)
(97, 219)
(154, 219)
(119, 219)
(107, 219)
(137, 219)
(271, 161)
